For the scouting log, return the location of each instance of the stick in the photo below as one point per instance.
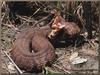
(24, 18)
(11, 26)
(41, 20)
(13, 63)
(30, 17)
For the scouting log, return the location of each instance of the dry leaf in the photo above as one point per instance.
(78, 60)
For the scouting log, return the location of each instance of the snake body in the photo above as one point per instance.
(32, 40)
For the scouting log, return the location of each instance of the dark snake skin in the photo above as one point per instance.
(33, 39)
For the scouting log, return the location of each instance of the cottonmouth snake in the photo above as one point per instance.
(32, 39)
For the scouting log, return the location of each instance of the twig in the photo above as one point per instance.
(60, 58)
(43, 5)
(54, 65)
(79, 13)
(30, 16)
(13, 63)
(24, 18)
(65, 69)
(36, 11)
(36, 3)
(41, 20)
(11, 26)
(60, 68)
(8, 25)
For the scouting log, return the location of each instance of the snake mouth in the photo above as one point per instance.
(58, 24)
